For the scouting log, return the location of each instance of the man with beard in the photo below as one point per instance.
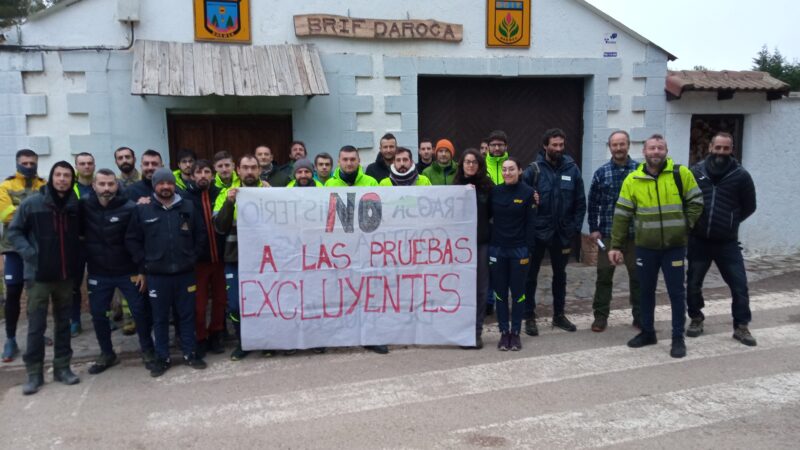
(270, 174)
(403, 172)
(225, 223)
(297, 151)
(603, 194)
(380, 168)
(13, 190)
(484, 148)
(126, 163)
(164, 238)
(663, 212)
(223, 166)
(183, 174)
(84, 167)
(349, 172)
(323, 166)
(210, 269)
(443, 171)
(104, 218)
(142, 190)
(425, 154)
(497, 155)
(45, 233)
(562, 206)
(730, 197)
(304, 175)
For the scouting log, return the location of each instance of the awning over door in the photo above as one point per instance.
(199, 69)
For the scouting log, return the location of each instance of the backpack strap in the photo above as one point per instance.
(536, 170)
(676, 174)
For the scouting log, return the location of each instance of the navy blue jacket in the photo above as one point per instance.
(562, 201)
(142, 188)
(726, 202)
(513, 211)
(165, 241)
(103, 230)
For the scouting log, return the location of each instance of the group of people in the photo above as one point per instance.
(167, 240)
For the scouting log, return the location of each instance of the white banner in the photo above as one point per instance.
(324, 267)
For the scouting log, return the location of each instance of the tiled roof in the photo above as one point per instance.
(725, 80)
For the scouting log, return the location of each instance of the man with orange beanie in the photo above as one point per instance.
(443, 170)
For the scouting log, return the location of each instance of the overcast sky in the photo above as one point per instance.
(718, 34)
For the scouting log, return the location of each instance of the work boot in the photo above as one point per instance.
(129, 328)
(160, 367)
(642, 339)
(505, 342)
(10, 349)
(216, 344)
(35, 381)
(201, 348)
(562, 322)
(66, 376)
(238, 354)
(530, 327)
(103, 362)
(742, 334)
(379, 349)
(290, 352)
(695, 328)
(678, 349)
(515, 343)
(194, 361)
(148, 358)
(599, 325)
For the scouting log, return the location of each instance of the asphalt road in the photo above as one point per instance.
(563, 390)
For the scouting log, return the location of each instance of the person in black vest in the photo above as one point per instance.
(562, 207)
(45, 232)
(730, 197)
(210, 269)
(380, 169)
(472, 171)
(142, 190)
(104, 221)
(164, 238)
(513, 211)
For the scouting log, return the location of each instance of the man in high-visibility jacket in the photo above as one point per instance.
(664, 204)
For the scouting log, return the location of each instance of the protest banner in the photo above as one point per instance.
(356, 266)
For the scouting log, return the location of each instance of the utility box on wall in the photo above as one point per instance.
(128, 10)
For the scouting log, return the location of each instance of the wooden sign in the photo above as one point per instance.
(222, 20)
(508, 23)
(349, 27)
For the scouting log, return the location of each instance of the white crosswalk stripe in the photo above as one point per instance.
(640, 418)
(443, 384)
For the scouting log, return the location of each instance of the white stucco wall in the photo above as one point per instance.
(770, 136)
(562, 30)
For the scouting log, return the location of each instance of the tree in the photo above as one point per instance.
(776, 65)
(13, 12)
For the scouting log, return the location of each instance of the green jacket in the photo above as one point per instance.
(293, 183)
(362, 179)
(422, 180)
(438, 175)
(179, 179)
(494, 167)
(235, 181)
(657, 208)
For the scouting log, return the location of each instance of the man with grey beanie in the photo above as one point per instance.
(304, 174)
(164, 238)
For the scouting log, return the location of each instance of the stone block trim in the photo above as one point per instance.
(410, 121)
(355, 103)
(648, 103)
(650, 69)
(345, 64)
(10, 125)
(21, 62)
(11, 83)
(93, 143)
(359, 139)
(10, 144)
(507, 66)
(89, 61)
(28, 105)
(401, 103)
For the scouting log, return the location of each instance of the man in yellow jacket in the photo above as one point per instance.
(13, 190)
(664, 202)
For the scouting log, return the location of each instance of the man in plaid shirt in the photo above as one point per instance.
(603, 194)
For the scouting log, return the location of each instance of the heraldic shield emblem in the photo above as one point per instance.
(222, 17)
(508, 23)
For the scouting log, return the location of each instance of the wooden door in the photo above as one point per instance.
(465, 110)
(238, 135)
